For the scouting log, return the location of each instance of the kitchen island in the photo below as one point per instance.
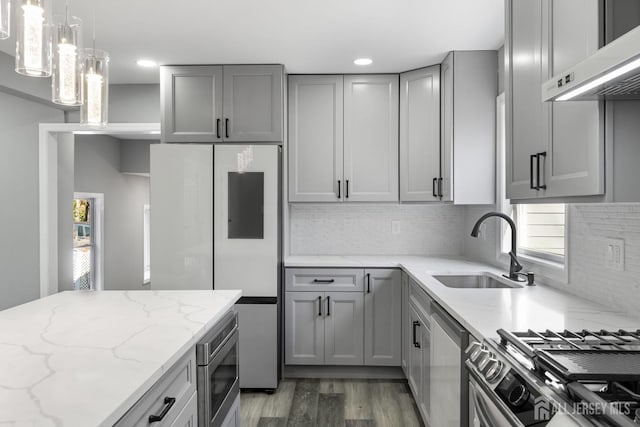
(84, 358)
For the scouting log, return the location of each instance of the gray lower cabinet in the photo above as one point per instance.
(324, 328)
(405, 324)
(418, 348)
(233, 417)
(178, 382)
(382, 317)
(214, 103)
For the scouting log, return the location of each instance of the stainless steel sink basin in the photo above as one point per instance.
(475, 281)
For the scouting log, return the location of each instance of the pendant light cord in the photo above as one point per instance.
(94, 27)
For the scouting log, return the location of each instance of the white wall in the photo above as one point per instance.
(345, 229)
(139, 103)
(19, 229)
(97, 170)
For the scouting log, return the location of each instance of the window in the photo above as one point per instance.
(147, 245)
(541, 230)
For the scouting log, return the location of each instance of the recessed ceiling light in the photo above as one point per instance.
(147, 63)
(363, 61)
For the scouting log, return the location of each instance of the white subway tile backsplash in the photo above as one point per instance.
(345, 229)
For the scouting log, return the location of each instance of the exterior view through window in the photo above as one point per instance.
(541, 230)
(83, 244)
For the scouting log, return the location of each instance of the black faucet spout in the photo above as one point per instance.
(515, 265)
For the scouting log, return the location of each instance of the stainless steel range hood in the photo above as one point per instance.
(613, 72)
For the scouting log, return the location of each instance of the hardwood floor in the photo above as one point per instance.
(332, 403)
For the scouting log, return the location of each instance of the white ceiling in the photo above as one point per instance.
(308, 36)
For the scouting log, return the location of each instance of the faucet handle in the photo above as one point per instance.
(530, 278)
(515, 261)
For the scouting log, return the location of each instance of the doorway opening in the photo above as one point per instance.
(87, 241)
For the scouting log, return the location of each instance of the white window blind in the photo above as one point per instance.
(541, 230)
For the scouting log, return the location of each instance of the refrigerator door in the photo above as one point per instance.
(181, 199)
(245, 218)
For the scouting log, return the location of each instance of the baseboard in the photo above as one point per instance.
(348, 372)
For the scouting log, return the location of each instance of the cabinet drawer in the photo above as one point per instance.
(189, 415)
(321, 280)
(179, 382)
(420, 299)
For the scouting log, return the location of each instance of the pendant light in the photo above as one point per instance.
(33, 46)
(5, 12)
(95, 85)
(66, 84)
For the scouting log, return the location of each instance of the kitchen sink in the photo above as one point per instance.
(476, 281)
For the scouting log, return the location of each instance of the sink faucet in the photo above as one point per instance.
(515, 266)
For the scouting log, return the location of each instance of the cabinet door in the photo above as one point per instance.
(371, 138)
(191, 103)
(526, 133)
(425, 381)
(575, 157)
(304, 328)
(253, 103)
(315, 138)
(446, 153)
(419, 134)
(406, 325)
(445, 377)
(181, 193)
(344, 328)
(382, 317)
(415, 356)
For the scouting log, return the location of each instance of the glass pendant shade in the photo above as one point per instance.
(33, 45)
(66, 83)
(95, 88)
(5, 12)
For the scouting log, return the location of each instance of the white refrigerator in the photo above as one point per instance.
(215, 223)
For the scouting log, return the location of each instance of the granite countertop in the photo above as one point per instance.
(84, 358)
(483, 311)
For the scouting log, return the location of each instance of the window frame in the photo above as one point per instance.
(97, 230)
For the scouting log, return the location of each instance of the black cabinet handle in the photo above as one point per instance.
(368, 283)
(320, 306)
(346, 191)
(435, 193)
(168, 402)
(339, 185)
(218, 128)
(531, 160)
(226, 128)
(323, 280)
(540, 187)
(328, 306)
(416, 344)
(440, 187)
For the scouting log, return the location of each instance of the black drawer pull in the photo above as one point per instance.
(328, 306)
(346, 192)
(440, 187)
(319, 306)
(416, 344)
(435, 192)
(323, 280)
(368, 283)
(339, 185)
(218, 128)
(168, 402)
(226, 128)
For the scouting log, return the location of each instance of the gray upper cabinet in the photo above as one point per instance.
(420, 135)
(554, 150)
(214, 103)
(343, 133)
(382, 317)
(253, 105)
(191, 103)
(469, 91)
(371, 138)
(315, 138)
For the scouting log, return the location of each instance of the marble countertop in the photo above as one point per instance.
(483, 311)
(84, 358)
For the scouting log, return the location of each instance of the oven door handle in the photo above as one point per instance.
(479, 386)
(479, 409)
